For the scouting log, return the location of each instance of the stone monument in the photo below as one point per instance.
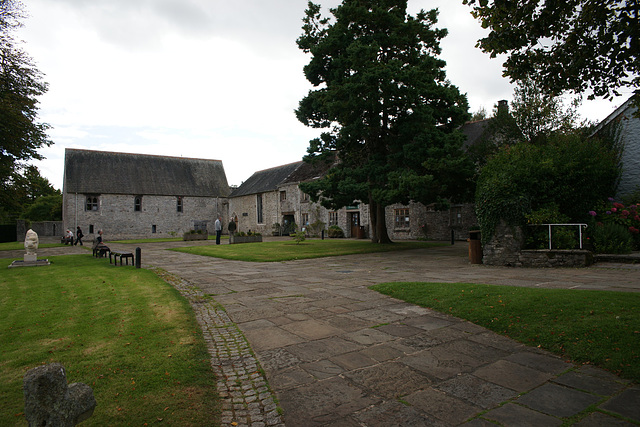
(49, 401)
(31, 245)
(31, 257)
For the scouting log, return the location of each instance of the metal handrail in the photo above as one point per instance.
(577, 225)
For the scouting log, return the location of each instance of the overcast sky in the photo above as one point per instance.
(213, 79)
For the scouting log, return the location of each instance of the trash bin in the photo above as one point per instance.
(475, 247)
(361, 233)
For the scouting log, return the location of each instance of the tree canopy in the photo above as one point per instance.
(388, 111)
(570, 45)
(20, 86)
(21, 135)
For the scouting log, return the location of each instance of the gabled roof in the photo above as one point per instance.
(474, 131)
(628, 104)
(310, 171)
(265, 180)
(102, 172)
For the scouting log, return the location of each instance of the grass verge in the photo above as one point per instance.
(595, 327)
(123, 331)
(290, 250)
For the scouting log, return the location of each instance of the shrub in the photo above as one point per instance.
(537, 237)
(611, 238)
(335, 232)
(569, 172)
(627, 217)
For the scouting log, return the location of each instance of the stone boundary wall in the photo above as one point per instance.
(547, 258)
(43, 228)
(505, 249)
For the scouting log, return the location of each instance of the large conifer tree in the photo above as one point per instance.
(388, 111)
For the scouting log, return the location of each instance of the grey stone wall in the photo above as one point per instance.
(42, 228)
(504, 246)
(118, 219)
(438, 224)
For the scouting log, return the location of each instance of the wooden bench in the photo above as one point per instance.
(101, 251)
(121, 255)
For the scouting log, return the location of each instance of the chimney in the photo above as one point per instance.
(503, 107)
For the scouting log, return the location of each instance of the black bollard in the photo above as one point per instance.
(138, 254)
(452, 237)
(322, 234)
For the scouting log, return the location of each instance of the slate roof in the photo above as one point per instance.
(266, 180)
(102, 172)
(474, 131)
(309, 171)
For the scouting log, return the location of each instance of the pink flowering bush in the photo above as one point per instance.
(625, 217)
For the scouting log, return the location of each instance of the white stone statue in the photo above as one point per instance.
(31, 242)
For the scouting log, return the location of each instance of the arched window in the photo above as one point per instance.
(92, 203)
(179, 204)
(137, 204)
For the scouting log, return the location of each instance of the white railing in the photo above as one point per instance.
(554, 225)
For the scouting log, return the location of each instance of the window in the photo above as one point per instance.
(283, 196)
(259, 208)
(92, 203)
(154, 229)
(305, 196)
(305, 219)
(137, 204)
(401, 218)
(333, 218)
(179, 204)
(90, 228)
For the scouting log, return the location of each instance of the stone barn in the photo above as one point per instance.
(141, 196)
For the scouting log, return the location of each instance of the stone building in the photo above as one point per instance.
(141, 196)
(627, 118)
(271, 200)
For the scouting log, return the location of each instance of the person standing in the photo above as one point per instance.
(79, 236)
(218, 230)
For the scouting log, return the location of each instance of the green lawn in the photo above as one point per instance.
(595, 327)
(19, 246)
(288, 250)
(123, 331)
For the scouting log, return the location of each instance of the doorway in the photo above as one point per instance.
(354, 219)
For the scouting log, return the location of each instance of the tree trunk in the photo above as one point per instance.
(373, 219)
(381, 226)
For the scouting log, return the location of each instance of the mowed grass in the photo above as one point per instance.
(19, 246)
(123, 331)
(595, 327)
(290, 250)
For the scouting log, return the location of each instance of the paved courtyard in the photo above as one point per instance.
(335, 353)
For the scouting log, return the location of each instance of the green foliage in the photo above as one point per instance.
(45, 208)
(564, 46)
(612, 238)
(562, 237)
(335, 232)
(570, 173)
(299, 236)
(388, 110)
(591, 327)
(627, 220)
(20, 86)
(539, 115)
(22, 189)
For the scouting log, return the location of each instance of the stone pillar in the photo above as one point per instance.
(504, 247)
(49, 401)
